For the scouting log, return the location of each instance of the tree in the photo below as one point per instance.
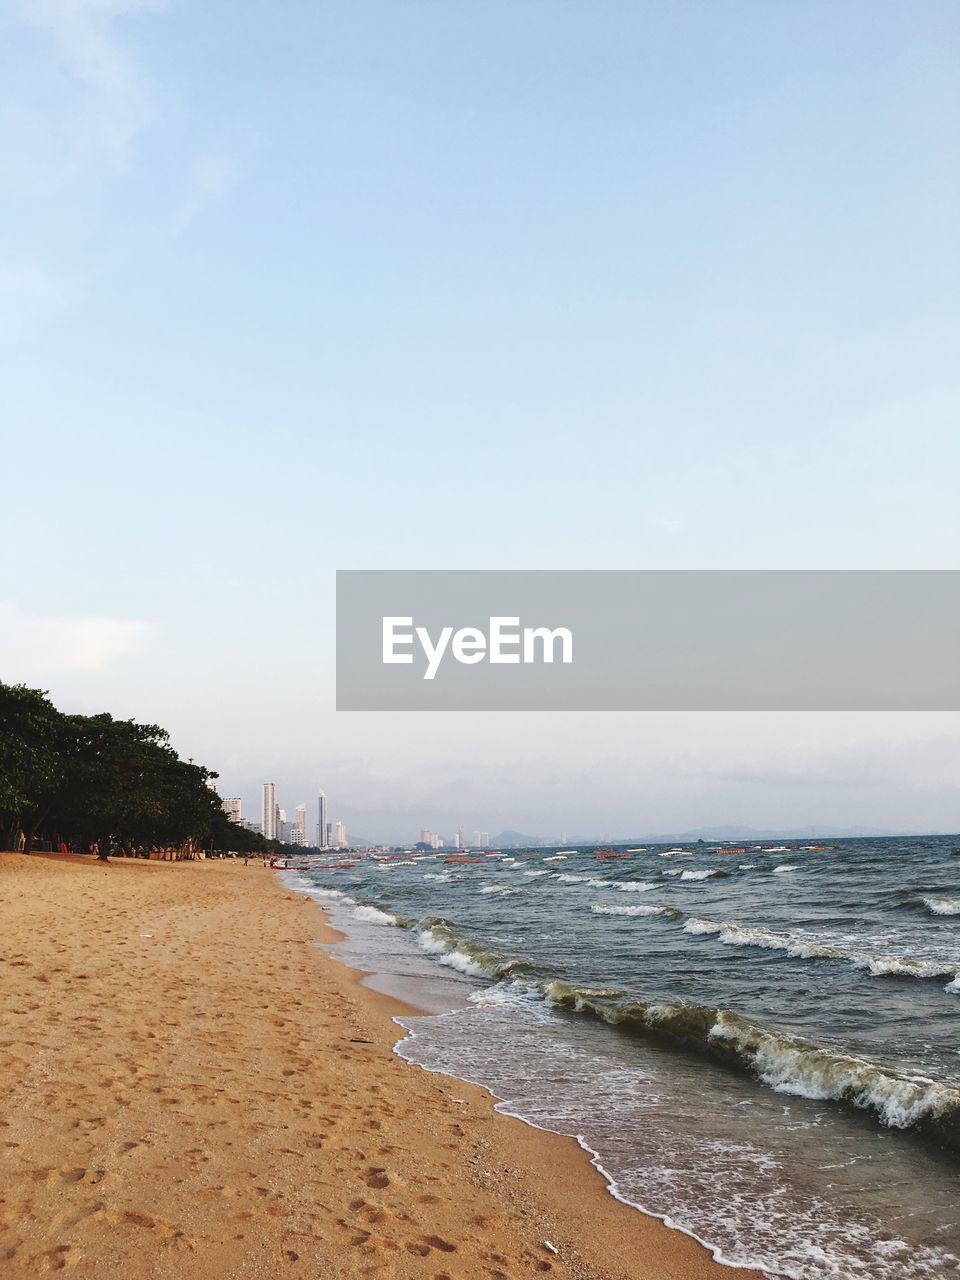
(97, 780)
(31, 759)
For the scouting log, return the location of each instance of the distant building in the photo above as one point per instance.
(233, 808)
(484, 838)
(269, 814)
(281, 823)
(329, 837)
(323, 826)
(300, 823)
(426, 836)
(341, 835)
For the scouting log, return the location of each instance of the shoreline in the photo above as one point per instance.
(408, 1009)
(208, 1093)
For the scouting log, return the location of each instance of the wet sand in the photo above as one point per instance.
(191, 1087)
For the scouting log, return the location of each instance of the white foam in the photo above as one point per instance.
(794, 1067)
(699, 875)
(450, 955)
(374, 915)
(622, 886)
(644, 910)
(785, 867)
(942, 906)
(807, 948)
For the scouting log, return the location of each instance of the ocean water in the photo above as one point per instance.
(759, 1046)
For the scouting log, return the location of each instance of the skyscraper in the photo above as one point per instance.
(233, 808)
(269, 811)
(341, 836)
(281, 823)
(323, 827)
(300, 824)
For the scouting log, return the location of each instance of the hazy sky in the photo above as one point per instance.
(287, 288)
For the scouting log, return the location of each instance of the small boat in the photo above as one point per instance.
(728, 850)
(556, 857)
(604, 857)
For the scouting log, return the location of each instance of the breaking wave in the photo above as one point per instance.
(438, 940)
(624, 886)
(640, 910)
(374, 915)
(801, 948)
(942, 906)
(783, 1062)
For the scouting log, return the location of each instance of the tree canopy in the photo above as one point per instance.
(94, 780)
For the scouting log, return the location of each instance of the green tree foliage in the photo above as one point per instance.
(94, 780)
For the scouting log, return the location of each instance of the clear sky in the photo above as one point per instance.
(290, 288)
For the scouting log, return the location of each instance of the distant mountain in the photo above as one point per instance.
(519, 839)
(768, 833)
(516, 839)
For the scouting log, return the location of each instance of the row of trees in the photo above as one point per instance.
(96, 782)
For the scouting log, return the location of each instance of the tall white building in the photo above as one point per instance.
(323, 834)
(300, 824)
(281, 824)
(233, 808)
(268, 823)
(341, 836)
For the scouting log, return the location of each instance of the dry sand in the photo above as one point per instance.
(192, 1088)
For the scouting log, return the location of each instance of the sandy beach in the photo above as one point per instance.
(192, 1087)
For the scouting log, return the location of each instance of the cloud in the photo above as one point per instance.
(33, 647)
(115, 99)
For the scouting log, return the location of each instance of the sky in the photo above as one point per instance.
(292, 288)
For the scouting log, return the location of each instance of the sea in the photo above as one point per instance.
(756, 1043)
